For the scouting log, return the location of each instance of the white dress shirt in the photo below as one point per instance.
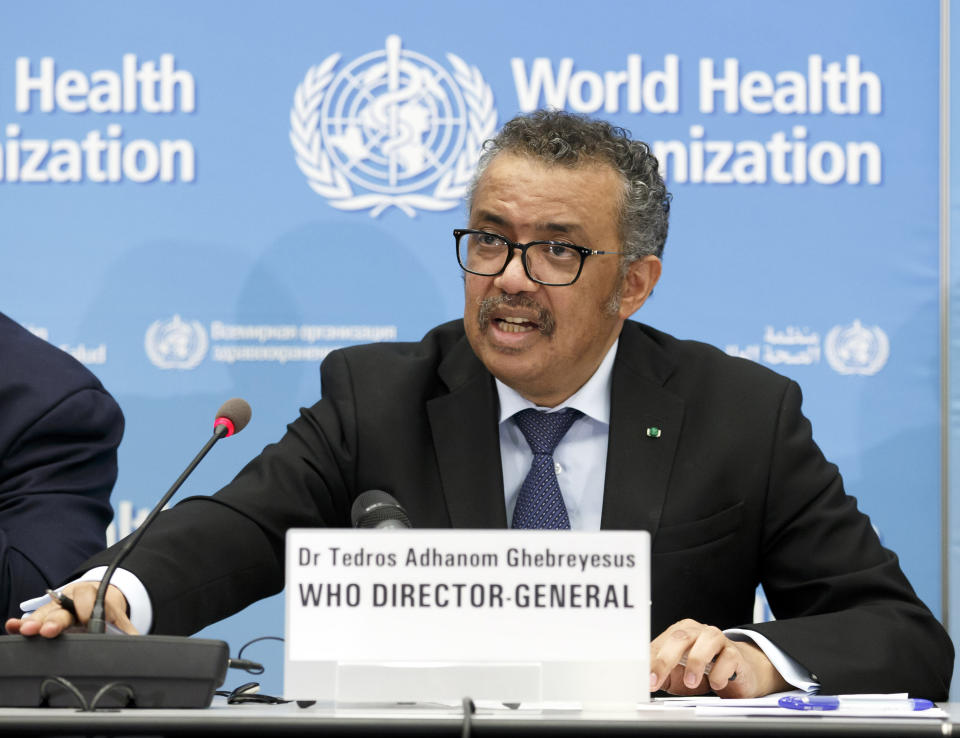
(580, 457)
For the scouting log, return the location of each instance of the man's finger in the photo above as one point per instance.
(48, 621)
(84, 595)
(726, 665)
(665, 653)
(116, 612)
(699, 659)
(668, 649)
(12, 626)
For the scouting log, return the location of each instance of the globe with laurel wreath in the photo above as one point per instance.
(176, 343)
(393, 121)
(856, 348)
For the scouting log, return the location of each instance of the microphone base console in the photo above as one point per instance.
(158, 671)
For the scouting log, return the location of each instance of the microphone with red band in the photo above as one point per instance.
(233, 416)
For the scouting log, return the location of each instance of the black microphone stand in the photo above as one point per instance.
(97, 623)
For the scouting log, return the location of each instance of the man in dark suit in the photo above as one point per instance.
(710, 454)
(59, 432)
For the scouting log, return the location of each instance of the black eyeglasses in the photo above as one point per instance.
(550, 263)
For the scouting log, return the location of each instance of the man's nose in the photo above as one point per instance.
(514, 278)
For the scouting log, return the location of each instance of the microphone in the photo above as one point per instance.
(147, 670)
(378, 509)
(232, 417)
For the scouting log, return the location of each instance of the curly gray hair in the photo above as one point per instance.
(558, 137)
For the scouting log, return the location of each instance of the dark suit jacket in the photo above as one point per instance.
(59, 432)
(734, 492)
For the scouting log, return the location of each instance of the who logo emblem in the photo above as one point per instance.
(176, 343)
(856, 348)
(391, 128)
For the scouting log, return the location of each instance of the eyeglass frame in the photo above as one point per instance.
(584, 252)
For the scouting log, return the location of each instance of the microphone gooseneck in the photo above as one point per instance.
(232, 417)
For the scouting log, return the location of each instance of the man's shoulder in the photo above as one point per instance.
(37, 377)
(684, 360)
(36, 366)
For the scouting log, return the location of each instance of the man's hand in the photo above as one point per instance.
(691, 658)
(51, 620)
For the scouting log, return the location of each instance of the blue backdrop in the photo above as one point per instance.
(201, 200)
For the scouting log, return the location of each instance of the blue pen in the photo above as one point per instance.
(832, 702)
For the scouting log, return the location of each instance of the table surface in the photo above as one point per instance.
(289, 719)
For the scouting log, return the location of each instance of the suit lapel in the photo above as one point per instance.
(639, 462)
(466, 437)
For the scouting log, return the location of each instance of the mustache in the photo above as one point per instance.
(545, 321)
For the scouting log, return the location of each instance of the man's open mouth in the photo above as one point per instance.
(538, 318)
(516, 325)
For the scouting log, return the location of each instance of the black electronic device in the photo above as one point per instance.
(126, 671)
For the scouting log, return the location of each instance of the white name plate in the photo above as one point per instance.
(427, 615)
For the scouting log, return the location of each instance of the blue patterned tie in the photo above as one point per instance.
(540, 503)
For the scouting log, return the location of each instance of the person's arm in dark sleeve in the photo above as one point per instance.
(844, 608)
(208, 557)
(56, 475)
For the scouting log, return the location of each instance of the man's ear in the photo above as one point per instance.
(642, 276)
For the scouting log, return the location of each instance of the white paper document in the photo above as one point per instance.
(879, 706)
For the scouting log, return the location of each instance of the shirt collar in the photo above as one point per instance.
(592, 399)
